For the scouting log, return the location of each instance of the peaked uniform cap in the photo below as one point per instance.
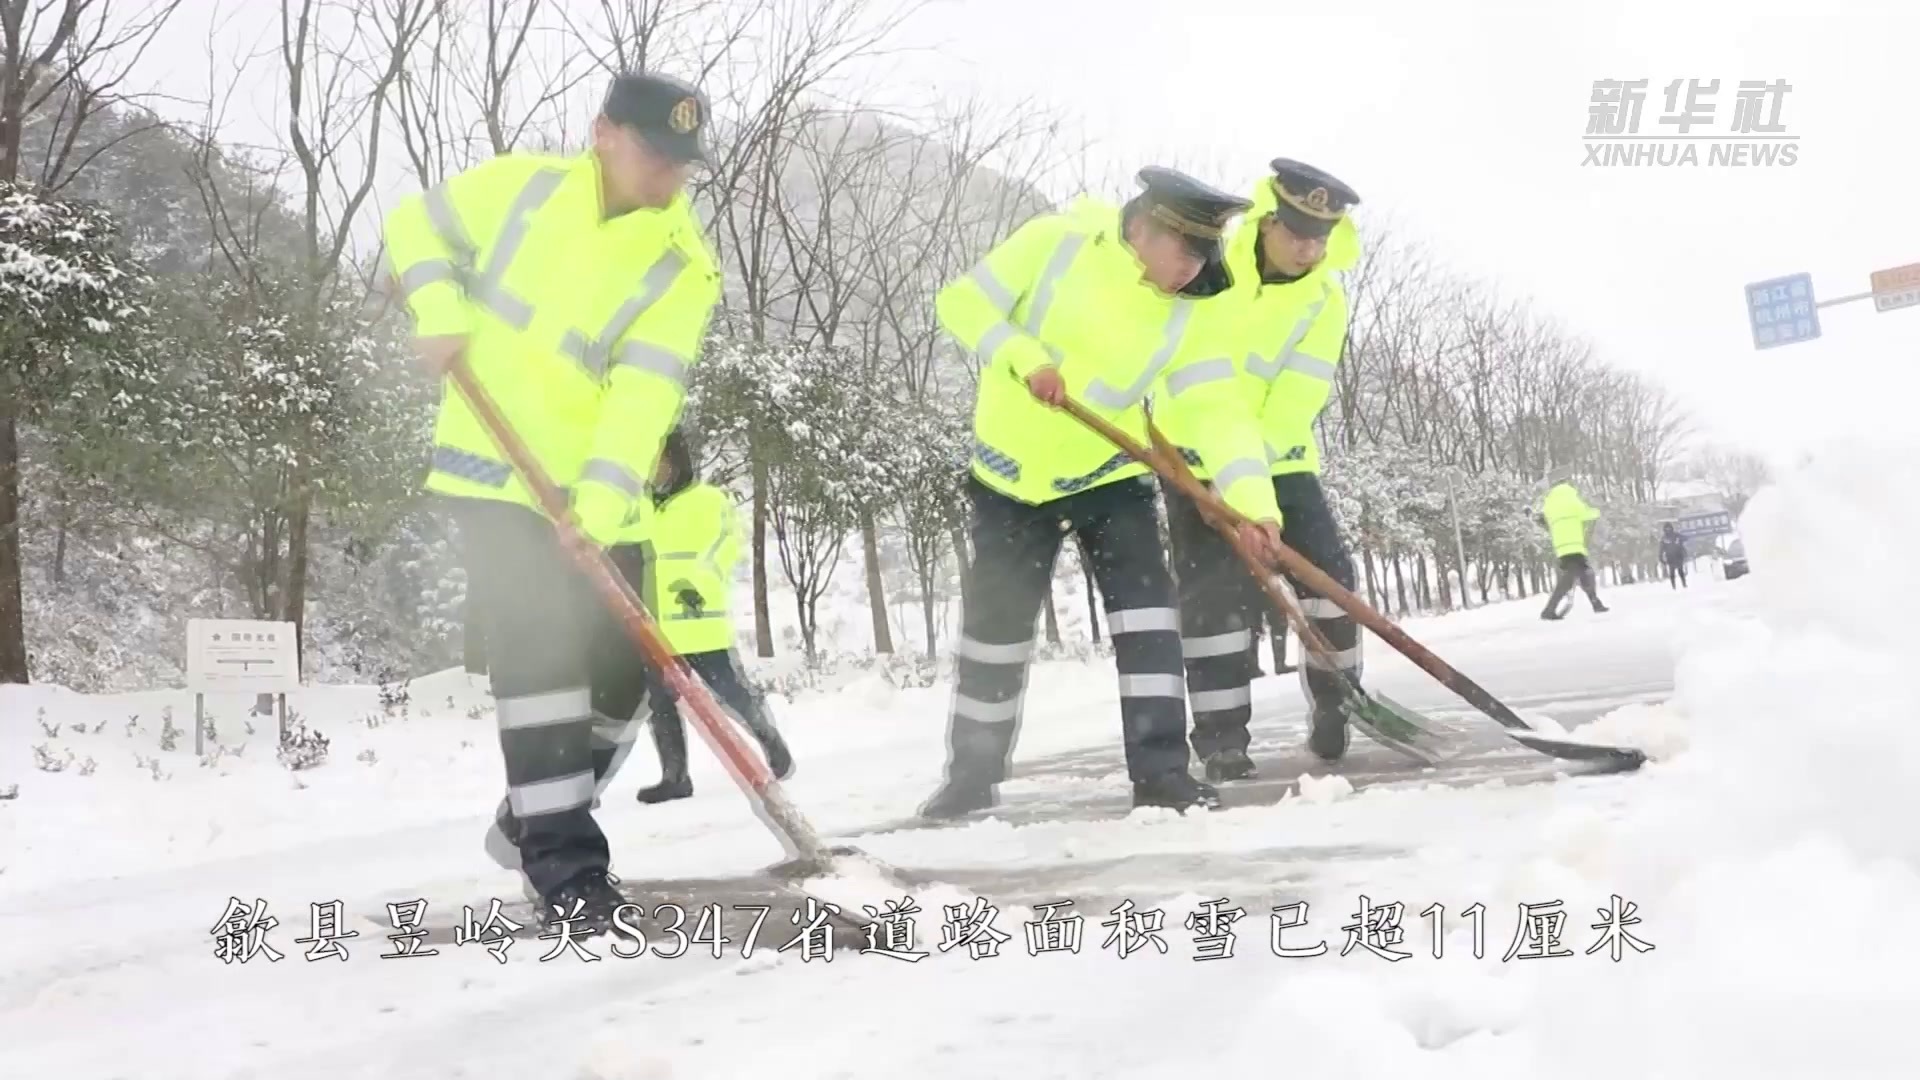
(1309, 201)
(671, 114)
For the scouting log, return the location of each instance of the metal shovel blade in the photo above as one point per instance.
(1394, 726)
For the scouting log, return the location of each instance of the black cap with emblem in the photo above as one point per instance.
(1311, 201)
(670, 114)
(1196, 210)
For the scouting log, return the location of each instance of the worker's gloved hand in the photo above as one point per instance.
(599, 512)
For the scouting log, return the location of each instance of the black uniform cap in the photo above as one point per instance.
(1195, 210)
(670, 114)
(1311, 201)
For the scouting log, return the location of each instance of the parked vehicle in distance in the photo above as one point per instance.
(1736, 560)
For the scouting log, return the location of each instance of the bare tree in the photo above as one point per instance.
(68, 72)
(767, 65)
(1736, 475)
(341, 63)
(810, 534)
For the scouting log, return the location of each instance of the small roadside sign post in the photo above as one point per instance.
(239, 656)
(1896, 288)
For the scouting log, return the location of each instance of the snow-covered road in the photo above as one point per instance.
(114, 881)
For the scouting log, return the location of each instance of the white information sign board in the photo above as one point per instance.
(241, 656)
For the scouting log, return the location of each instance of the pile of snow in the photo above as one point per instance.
(1759, 855)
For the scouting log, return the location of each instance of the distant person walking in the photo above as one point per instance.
(1566, 516)
(1673, 555)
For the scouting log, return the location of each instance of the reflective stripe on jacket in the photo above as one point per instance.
(1065, 290)
(581, 327)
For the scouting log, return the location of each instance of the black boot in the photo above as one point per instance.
(960, 796)
(670, 741)
(587, 901)
(1229, 765)
(1328, 737)
(1175, 790)
(779, 757)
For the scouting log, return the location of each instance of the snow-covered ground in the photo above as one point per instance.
(1769, 854)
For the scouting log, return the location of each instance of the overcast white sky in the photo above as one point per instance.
(1463, 121)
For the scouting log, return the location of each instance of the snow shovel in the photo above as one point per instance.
(1388, 724)
(1167, 462)
(811, 858)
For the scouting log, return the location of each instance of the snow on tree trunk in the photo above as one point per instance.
(876, 588)
(13, 627)
(762, 616)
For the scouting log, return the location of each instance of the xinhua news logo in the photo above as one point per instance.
(1687, 131)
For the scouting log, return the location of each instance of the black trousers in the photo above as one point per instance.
(565, 682)
(1677, 574)
(1216, 591)
(1014, 547)
(1574, 568)
(719, 671)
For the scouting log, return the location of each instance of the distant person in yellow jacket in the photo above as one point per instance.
(692, 546)
(1566, 516)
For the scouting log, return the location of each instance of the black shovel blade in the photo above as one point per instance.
(1616, 758)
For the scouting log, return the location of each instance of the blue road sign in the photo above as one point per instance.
(1694, 526)
(1782, 311)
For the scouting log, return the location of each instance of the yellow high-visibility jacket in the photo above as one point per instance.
(1287, 351)
(1064, 290)
(581, 328)
(1567, 516)
(693, 547)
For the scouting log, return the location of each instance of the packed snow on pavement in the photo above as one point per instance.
(1739, 907)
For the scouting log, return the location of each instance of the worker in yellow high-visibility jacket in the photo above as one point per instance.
(1095, 302)
(578, 290)
(1285, 259)
(681, 563)
(1566, 516)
